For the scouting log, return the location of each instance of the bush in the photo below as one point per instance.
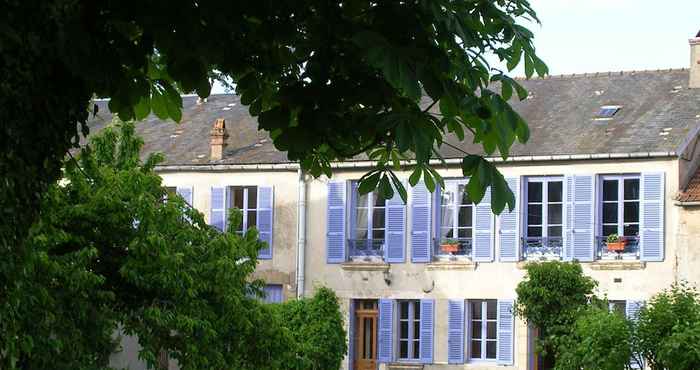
(316, 329)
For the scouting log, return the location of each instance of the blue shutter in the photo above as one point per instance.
(335, 222)
(421, 215)
(632, 312)
(217, 213)
(509, 238)
(385, 347)
(652, 217)
(351, 334)
(568, 240)
(483, 225)
(506, 328)
(455, 332)
(395, 224)
(186, 193)
(583, 226)
(264, 220)
(427, 322)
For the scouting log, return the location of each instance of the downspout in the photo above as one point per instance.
(301, 234)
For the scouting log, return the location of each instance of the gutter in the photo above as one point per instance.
(301, 235)
(687, 204)
(450, 161)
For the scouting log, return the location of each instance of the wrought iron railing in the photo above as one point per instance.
(630, 251)
(452, 248)
(366, 248)
(542, 248)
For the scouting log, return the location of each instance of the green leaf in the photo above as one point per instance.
(142, 108)
(540, 67)
(385, 188)
(159, 104)
(429, 182)
(368, 182)
(516, 53)
(415, 176)
(399, 186)
(529, 67)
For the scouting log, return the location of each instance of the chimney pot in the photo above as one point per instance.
(694, 81)
(218, 136)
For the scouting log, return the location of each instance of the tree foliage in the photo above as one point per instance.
(112, 249)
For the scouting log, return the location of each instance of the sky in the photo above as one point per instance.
(580, 36)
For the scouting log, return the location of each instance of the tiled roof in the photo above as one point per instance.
(692, 191)
(658, 113)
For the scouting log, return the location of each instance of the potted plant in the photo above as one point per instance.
(450, 246)
(615, 243)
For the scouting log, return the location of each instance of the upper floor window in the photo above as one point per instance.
(619, 213)
(245, 198)
(368, 230)
(483, 321)
(455, 221)
(544, 221)
(409, 330)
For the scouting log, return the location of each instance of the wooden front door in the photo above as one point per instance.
(366, 314)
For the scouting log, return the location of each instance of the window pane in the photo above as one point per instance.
(446, 197)
(404, 310)
(378, 218)
(237, 197)
(631, 212)
(361, 218)
(361, 200)
(609, 229)
(476, 309)
(463, 195)
(416, 330)
(416, 349)
(252, 197)
(476, 329)
(491, 330)
(252, 218)
(554, 231)
(378, 234)
(476, 349)
(631, 189)
(491, 349)
(534, 231)
(534, 191)
(403, 333)
(378, 200)
(534, 214)
(610, 190)
(446, 216)
(446, 233)
(416, 310)
(464, 233)
(554, 191)
(361, 234)
(491, 310)
(465, 216)
(631, 230)
(609, 213)
(554, 214)
(403, 351)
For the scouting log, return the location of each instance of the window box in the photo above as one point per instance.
(452, 249)
(626, 249)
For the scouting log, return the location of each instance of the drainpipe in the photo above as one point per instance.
(301, 234)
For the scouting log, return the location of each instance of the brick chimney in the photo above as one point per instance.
(218, 139)
(694, 62)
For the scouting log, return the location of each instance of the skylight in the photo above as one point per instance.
(607, 111)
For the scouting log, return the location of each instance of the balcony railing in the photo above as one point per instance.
(542, 248)
(447, 249)
(365, 249)
(631, 250)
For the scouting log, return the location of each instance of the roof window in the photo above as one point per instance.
(607, 112)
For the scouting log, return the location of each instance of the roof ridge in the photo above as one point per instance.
(601, 74)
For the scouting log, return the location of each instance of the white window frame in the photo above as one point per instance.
(484, 330)
(545, 180)
(452, 185)
(245, 209)
(620, 202)
(412, 322)
(370, 207)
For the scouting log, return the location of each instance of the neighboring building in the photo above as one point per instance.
(431, 284)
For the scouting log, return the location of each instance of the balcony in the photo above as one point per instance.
(452, 249)
(537, 248)
(366, 250)
(630, 251)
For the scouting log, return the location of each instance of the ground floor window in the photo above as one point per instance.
(409, 330)
(483, 320)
